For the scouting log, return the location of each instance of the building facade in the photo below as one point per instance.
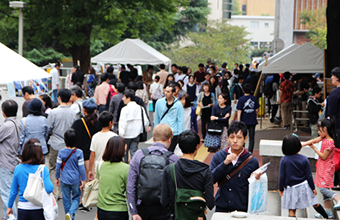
(257, 7)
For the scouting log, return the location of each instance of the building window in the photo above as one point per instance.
(254, 25)
(265, 44)
(228, 9)
(266, 25)
(244, 9)
(255, 44)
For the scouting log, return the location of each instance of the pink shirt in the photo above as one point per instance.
(162, 76)
(101, 92)
(325, 168)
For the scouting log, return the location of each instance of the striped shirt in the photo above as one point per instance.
(74, 167)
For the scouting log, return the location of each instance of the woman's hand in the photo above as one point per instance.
(212, 118)
(281, 193)
(211, 105)
(201, 105)
(9, 211)
(227, 115)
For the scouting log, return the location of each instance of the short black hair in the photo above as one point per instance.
(213, 68)
(150, 67)
(27, 89)
(122, 66)
(176, 84)
(10, 108)
(172, 85)
(286, 75)
(224, 65)
(132, 85)
(64, 95)
(110, 69)
(237, 126)
(248, 65)
(336, 72)
(291, 145)
(139, 78)
(120, 87)
(201, 65)
(316, 90)
(77, 91)
(105, 118)
(58, 63)
(188, 141)
(162, 66)
(140, 85)
(241, 66)
(104, 76)
(248, 88)
(184, 69)
(71, 137)
(174, 65)
(129, 93)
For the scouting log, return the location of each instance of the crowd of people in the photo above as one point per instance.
(81, 139)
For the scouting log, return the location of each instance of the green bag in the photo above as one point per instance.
(189, 204)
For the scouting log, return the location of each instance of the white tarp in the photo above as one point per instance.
(131, 51)
(14, 67)
(304, 59)
(278, 55)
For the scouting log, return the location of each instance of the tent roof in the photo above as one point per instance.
(132, 51)
(304, 59)
(278, 55)
(14, 67)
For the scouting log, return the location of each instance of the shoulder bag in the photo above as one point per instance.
(229, 176)
(64, 162)
(166, 112)
(199, 108)
(87, 129)
(34, 187)
(144, 135)
(90, 196)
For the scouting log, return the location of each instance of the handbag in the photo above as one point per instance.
(156, 94)
(144, 135)
(90, 195)
(215, 128)
(34, 187)
(50, 206)
(212, 141)
(199, 108)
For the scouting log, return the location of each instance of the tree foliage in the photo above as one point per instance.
(220, 41)
(316, 23)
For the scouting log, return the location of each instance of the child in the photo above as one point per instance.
(73, 169)
(247, 108)
(313, 110)
(325, 164)
(296, 180)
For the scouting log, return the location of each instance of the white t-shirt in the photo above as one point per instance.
(98, 144)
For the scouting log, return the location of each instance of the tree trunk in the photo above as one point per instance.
(333, 33)
(81, 53)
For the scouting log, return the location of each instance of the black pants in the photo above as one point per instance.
(153, 212)
(173, 144)
(274, 111)
(30, 214)
(251, 129)
(204, 123)
(111, 215)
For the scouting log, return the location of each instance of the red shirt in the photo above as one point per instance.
(287, 89)
(325, 168)
(199, 76)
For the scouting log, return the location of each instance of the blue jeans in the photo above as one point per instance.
(70, 206)
(101, 108)
(55, 96)
(6, 178)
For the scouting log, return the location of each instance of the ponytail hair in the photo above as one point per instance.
(91, 118)
(329, 123)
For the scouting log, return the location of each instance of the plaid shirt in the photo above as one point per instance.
(287, 89)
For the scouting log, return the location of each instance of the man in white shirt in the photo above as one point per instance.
(182, 75)
(99, 141)
(77, 106)
(55, 81)
(130, 123)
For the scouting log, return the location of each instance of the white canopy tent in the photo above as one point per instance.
(278, 55)
(132, 51)
(14, 67)
(304, 59)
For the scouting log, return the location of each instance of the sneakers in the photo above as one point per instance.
(68, 216)
(85, 209)
(337, 205)
(329, 213)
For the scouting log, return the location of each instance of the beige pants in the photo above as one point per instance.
(286, 113)
(52, 160)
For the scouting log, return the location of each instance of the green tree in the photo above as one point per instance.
(316, 23)
(220, 41)
(73, 23)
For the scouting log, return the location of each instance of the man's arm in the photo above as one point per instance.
(220, 166)
(92, 157)
(122, 123)
(157, 118)
(180, 118)
(239, 112)
(131, 187)
(209, 190)
(166, 193)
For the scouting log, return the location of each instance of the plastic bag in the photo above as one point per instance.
(257, 195)
(50, 205)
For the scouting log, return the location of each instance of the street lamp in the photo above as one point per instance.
(21, 5)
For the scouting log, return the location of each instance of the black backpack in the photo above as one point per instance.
(268, 90)
(150, 177)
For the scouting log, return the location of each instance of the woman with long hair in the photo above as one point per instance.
(92, 81)
(190, 119)
(77, 75)
(32, 157)
(169, 79)
(214, 86)
(86, 127)
(113, 175)
(47, 102)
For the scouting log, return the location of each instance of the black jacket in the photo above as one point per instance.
(190, 174)
(313, 110)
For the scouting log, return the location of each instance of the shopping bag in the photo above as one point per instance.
(34, 187)
(50, 206)
(257, 194)
(90, 196)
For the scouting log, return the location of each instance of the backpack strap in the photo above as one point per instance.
(168, 154)
(173, 176)
(146, 151)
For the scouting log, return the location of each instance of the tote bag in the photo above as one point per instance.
(34, 187)
(90, 196)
